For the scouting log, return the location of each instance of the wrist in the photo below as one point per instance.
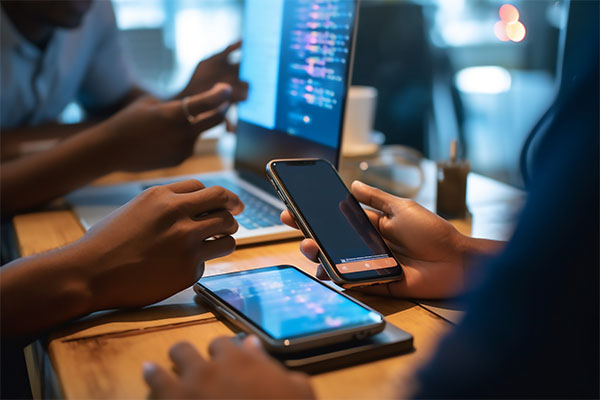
(96, 263)
(485, 247)
(70, 277)
(109, 151)
(49, 288)
(95, 148)
(473, 248)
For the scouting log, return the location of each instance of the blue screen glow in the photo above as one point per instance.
(285, 303)
(295, 58)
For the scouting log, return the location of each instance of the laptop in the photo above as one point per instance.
(296, 57)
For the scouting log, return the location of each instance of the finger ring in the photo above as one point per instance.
(186, 111)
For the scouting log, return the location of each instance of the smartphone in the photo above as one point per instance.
(351, 250)
(288, 309)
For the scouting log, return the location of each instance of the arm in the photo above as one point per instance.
(148, 134)
(43, 290)
(20, 141)
(149, 249)
(433, 254)
(14, 141)
(36, 179)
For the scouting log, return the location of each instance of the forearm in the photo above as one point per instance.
(25, 140)
(475, 247)
(28, 139)
(475, 251)
(34, 180)
(42, 291)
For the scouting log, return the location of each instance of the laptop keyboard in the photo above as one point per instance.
(257, 213)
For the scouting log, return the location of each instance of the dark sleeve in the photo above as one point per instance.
(532, 327)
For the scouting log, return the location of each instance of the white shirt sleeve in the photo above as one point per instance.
(109, 76)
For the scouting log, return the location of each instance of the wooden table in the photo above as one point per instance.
(101, 356)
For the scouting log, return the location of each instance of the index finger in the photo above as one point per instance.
(186, 186)
(161, 383)
(186, 358)
(222, 347)
(211, 199)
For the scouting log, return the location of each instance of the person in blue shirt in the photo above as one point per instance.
(53, 53)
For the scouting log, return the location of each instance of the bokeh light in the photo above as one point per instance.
(515, 31)
(500, 31)
(508, 13)
(509, 27)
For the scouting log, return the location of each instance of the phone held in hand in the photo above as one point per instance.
(287, 309)
(351, 250)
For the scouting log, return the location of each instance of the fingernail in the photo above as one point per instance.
(253, 342)
(148, 368)
(225, 86)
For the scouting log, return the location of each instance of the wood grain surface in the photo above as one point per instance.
(101, 355)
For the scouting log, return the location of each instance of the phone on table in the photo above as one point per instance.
(351, 250)
(288, 309)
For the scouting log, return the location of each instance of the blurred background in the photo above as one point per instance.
(444, 69)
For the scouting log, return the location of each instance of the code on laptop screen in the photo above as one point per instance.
(296, 55)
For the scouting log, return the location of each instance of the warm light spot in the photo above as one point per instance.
(508, 13)
(306, 119)
(515, 31)
(500, 31)
(509, 27)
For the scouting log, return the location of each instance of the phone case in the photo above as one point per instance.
(335, 275)
(237, 322)
(390, 342)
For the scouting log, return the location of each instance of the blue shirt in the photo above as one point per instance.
(86, 64)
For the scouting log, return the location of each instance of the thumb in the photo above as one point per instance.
(373, 197)
(210, 100)
(232, 47)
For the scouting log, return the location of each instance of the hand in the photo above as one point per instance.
(431, 251)
(215, 69)
(235, 371)
(152, 134)
(156, 245)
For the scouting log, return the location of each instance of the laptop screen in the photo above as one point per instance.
(296, 57)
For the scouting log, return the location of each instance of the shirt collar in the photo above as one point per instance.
(10, 38)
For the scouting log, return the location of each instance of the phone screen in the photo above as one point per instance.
(338, 222)
(285, 303)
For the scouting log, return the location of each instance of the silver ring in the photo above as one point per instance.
(186, 111)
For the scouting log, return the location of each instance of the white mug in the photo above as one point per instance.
(358, 119)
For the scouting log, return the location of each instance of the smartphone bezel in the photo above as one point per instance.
(327, 262)
(295, 343)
